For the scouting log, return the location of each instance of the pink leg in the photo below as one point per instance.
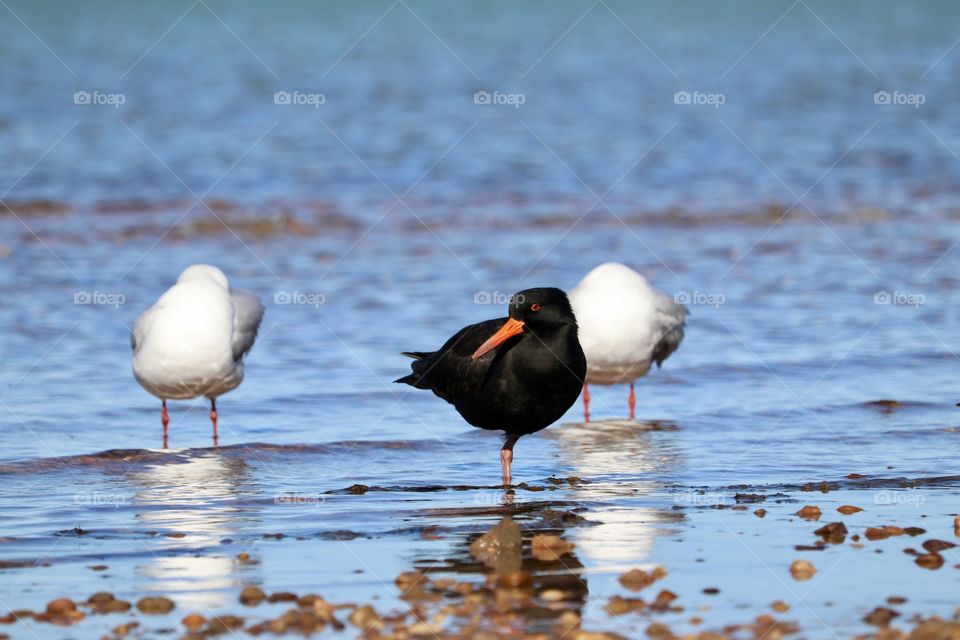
(213, 419)
(586, 403)
(506, 458)
(165, 419)
(632, 402)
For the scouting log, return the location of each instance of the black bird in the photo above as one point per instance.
(519, 374)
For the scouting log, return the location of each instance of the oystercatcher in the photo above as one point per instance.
(519, 374)
(625, 326)
(191, 343)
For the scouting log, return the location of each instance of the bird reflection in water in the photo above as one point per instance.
(625, 462)
(191, 505)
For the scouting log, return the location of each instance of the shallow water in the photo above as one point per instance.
(790, 344)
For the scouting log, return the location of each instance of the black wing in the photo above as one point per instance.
(450, 371)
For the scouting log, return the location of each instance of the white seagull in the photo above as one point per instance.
(191, 343)
(625, 325)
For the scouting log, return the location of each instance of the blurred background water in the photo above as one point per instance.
(789, 170)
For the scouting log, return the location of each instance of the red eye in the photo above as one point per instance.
(535, 307)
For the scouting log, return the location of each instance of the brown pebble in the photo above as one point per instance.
(61, 607)
(637, 579)
(802, 570)
(98, 567)
(101, 598)
(663, 600)
(223, 624)
(658, 630)
(854, 476)
(933, 546)
(282, 596)
(930, 561)
(549, 548)
(880, 533)
(896, 600)
(809, 512)
(711, 591)
(155, 605)
(880, 617)
(114, 606)
(834, 533)
(252, 596)
(618, 605)
(243, 557)
(849, 509)
(193, 621)
(365, 617)
(760, 513)
(780, 606)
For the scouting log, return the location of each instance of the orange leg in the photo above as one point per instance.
(632, 402)
(165, 419)
(586, 403)
(213, 419)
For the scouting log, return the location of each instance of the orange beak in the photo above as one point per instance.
(509, 329)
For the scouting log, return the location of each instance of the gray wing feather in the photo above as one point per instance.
(247, 314)
(674, 319)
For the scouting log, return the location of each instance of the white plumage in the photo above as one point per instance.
(191, 343)
(625, 325)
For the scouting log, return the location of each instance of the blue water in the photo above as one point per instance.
(810, 230)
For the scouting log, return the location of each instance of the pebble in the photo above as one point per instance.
(848, 509)
(809, 512)
(155, 605)
(549, 548)
(760, 513)
(802, 570)
(932, 561)
(193, 621)
(637, 579)
(252, 596)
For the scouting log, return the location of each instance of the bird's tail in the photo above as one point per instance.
(416, 355)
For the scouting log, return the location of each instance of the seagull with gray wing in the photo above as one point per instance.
(191, 343)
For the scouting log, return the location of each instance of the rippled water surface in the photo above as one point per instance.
(810, 230)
